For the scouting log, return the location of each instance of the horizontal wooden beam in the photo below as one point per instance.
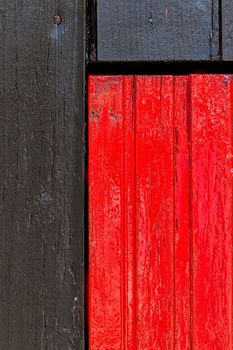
(129, 30)
(227, 29)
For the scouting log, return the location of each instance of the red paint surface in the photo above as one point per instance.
(160, 212)
(154, 211)
(211, 105)
(181, 219)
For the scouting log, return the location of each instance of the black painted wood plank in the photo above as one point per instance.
(227, 29)
(42, 175)
(157, 30)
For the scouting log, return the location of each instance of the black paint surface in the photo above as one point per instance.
(42, 175)
(130, 30)
(227, 29)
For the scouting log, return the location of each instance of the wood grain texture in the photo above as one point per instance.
(154, 210)
(181, 219)
(110, 128)
(157, 30)
(42, 175)
(227, 30)
(160, 213)
(211, 105)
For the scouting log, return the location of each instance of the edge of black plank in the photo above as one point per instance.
(227, 29)
(42, 149)
(159, 68)
(91, 30)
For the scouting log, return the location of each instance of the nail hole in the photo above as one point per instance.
(57, 19)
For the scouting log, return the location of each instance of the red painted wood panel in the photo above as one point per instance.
(211, 105)
(109, 111)
(154, 211)
(160, 212)
(181, 219)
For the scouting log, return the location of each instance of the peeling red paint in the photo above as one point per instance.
(160, 212)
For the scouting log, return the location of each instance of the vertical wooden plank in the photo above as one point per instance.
(211, 106)
(105, 230)
(182, 214)
(154, 211)
(227, 30)
(157, 30)
(42, 177)
(111, 213)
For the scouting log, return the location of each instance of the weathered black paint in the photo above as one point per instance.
(42, 175)
(135, 30)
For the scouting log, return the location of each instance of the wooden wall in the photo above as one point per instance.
(42, 141)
